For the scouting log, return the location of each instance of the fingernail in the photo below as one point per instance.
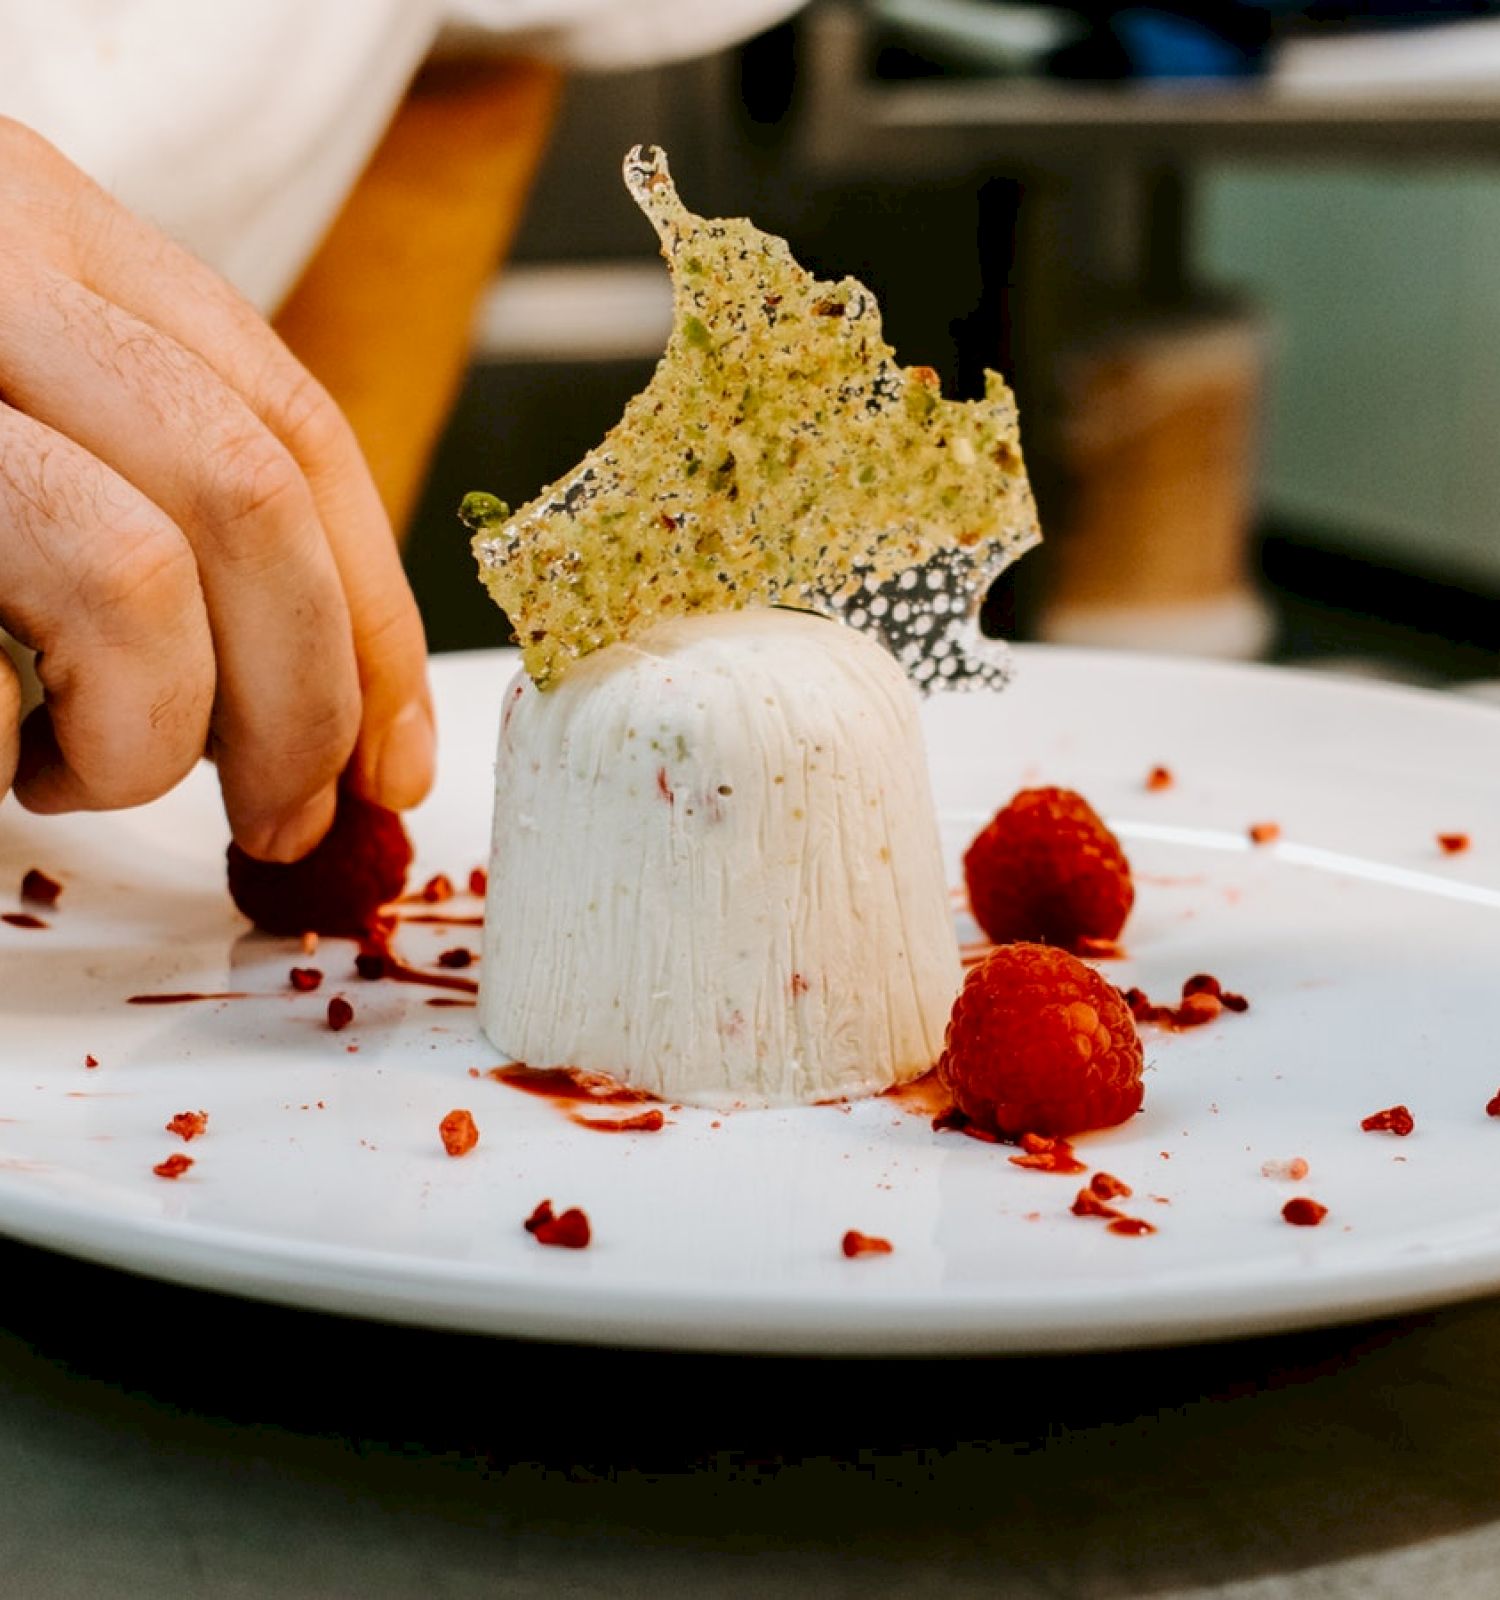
(404, 763)
(291, 837)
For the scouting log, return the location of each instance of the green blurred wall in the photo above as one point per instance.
(1382, 297)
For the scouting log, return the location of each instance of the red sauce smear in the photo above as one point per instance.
(569, 1084)
(1130, 1225)
(446, 1000)
(454, 921)
(922, 1097)
(173, 1166)
(642, 1122)
(855, 1243)
(184, 998)
(21, 919)
(377, 960)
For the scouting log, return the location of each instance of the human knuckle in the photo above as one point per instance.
(251, 481)
(304, 416)
(142, 576)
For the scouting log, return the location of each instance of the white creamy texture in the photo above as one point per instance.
(716, 871)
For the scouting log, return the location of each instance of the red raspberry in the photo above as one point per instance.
(1047, 868)
(337, 888)
(1040, 1043)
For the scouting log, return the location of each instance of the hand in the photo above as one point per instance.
(188, 536)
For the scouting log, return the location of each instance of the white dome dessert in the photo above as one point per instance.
(716, 871)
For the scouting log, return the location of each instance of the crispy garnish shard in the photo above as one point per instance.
(779, 456)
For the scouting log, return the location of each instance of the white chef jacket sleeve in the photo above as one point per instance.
(238, 126)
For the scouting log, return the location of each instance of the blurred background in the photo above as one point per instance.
(1237, 260)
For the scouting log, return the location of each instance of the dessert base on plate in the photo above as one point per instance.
(1366, 953)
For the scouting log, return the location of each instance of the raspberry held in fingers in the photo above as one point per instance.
(338, 887)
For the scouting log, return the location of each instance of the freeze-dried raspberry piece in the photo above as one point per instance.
(458, 1133)
(39, 888)
(1394, 1119)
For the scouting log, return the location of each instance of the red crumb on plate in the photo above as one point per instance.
(188, 1124)
(305, 979)
(1087, 1204)
(1452, 844)
(854, 1243)
(1046, 1155)
(1302, 1212)
(458, 1133)
(173, 1166)
(340, 1013)
(1264, 832)
(569, 1230)
(479, 881)
(457, 957)
(40, 889)
(1159, 778)
(1131, 1226)
(1203, 999)
(21, 919)
(1394, 1119)
(1108, 1187)
(1293, 1170)
(438, 888)
(91, 1061)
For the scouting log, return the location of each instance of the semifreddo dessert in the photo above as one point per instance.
(715, 869)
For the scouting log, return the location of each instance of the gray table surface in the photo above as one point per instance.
(159, 1441)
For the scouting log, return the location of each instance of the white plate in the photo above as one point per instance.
(1369, 957)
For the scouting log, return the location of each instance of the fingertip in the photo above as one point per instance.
(291, 835)
(396, 766)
